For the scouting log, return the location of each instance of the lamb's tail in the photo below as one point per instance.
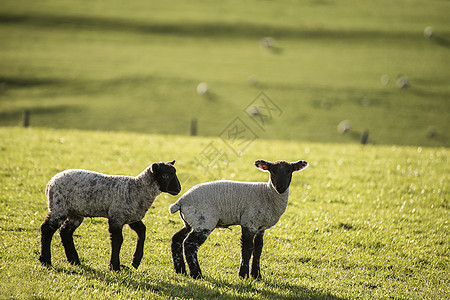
(47, 189)
(173, 208)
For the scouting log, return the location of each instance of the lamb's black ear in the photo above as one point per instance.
(300, 165)
(171, 162)
(263, 165)
(154, 168)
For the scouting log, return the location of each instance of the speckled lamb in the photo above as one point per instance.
(75, 194)
(256, 206)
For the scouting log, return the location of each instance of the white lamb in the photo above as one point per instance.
(256, 206)
(75, 194)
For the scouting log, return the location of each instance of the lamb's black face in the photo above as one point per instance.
(281, 176)
(281, 172)
(166, 177)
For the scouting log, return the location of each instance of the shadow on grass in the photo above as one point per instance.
(199, 29)
(441, 41)
(270, 287)
(27, 81)
(208, 288)
(186, 288)
(14, 117)
(59, 85)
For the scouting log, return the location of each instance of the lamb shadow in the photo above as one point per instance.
(268, 290)
(106, 276)
(184, 287)
(178, 288)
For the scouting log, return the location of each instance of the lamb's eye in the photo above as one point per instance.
(165, 176)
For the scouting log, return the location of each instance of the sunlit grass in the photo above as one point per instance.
(362, 222)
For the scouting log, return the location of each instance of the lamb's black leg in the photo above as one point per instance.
(191, 244)
(246, 251)
(115, 232)
(258, 245)
(139, 228)
(177, 249)
(48, 228)
(66, 233)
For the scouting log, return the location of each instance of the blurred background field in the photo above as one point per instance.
(136, 65)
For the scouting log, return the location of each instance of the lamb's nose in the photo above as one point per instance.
(281, 188)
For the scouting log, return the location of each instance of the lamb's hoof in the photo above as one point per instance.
(75, 262)
(257, 276)
(119, 268)
(197, 275)
(45, 262)
(136, 262)
(124, 267)
(180, 270)
(114, 268)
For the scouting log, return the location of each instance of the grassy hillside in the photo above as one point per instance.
(135, 66)
(363, 222)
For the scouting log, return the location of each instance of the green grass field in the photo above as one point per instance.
(363, 221)
(111, 87)
(135, 66)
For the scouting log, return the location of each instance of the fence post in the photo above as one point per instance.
(26, 118)
(194, 127)
(365, 137)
